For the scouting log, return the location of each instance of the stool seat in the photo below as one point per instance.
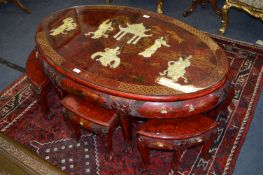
(176, 134)
(180, 134)
(101, 121)
(178, 128)
(88, 111)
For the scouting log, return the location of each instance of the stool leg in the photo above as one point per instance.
(145, 155)
(108, 145)
(176, 161)
(208, 144)
(73, 126)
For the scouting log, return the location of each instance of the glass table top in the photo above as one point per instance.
(131, 51)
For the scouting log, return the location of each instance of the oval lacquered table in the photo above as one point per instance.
(133, 61)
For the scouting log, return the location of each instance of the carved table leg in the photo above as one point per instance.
(21, 6)
(160, 6)
(125, 122)
(42, 95)
(191, 8)
(123, 111)
(43, 100)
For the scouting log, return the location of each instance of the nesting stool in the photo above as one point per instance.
(180, 134)
(101, 121)
(176, 134)
(40, 84)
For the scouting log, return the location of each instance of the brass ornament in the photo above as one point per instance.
(100, 32)
(138, 30)
(153, 48)
(108, 57)
(68, 25)
(254, 11)
(176, 69)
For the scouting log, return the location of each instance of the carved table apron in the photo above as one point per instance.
(133, 61)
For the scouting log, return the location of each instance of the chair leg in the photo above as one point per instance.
(203, 3)
(191, 8)
(145, 155)
(21, 6)
(224, 21)
(214, 6)
(160, 6)
(108, 1)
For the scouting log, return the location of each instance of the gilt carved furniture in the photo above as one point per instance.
(132, 61)
(203, 4)
(94, 118)
(179, 134)
(253, 7)
(192, 7)
(18, 4)
(40, 84)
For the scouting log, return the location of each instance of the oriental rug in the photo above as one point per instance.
(22, 120)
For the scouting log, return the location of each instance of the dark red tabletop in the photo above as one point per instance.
(131, 53)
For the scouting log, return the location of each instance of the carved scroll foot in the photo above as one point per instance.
(21, 6)
(224, 21)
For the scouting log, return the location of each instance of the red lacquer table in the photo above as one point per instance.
(133, 61)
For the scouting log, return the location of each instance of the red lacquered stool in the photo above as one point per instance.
(40, 84)
(94, 118)
(176, 134)
(179, 134)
